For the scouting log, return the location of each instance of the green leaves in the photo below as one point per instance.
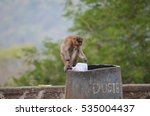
(45, 67)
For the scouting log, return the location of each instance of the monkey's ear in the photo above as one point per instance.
(80, 38)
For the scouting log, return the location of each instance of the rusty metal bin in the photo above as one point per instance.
(99, 82)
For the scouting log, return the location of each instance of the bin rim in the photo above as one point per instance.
(100, 67)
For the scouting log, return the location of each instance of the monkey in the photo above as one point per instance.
(70, 50)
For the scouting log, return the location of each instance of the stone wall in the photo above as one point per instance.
(130, 91)
(136, 91)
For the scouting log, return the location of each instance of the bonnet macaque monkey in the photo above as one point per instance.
(70, 50)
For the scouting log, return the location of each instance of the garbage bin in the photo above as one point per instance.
(100, 81)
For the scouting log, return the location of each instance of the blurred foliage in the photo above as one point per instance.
(45, 66)
(116, 32)
(9, 53)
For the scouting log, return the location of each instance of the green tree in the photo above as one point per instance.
(117, 32)
(45, 66)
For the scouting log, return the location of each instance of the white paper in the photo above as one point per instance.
(80, 67)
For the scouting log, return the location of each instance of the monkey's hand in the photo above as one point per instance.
(84, 60)
(67, 67)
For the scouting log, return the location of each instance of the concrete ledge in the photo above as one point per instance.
(32, 92)
(130, 91)
(136, 91)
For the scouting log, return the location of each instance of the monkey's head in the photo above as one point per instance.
(77, 41)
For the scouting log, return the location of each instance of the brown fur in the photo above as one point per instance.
(70, 50)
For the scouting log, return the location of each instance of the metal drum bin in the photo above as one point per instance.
(102, 81)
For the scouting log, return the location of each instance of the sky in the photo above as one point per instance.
(31, 21)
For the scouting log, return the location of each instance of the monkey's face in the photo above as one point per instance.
(78, 41)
